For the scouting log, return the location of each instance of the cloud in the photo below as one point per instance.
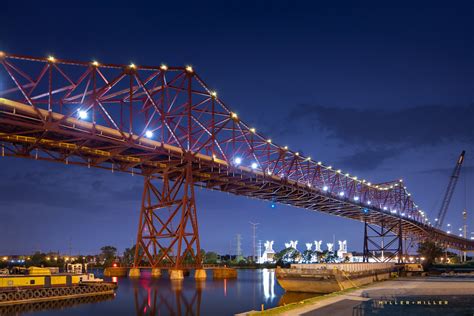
(445, 171)
(374, 135)
(368, 159)
(409, 127)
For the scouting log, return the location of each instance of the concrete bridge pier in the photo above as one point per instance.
(155, 273)
(176, 274)
(134, 273)
(200, 274)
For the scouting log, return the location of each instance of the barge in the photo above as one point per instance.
(40, 285)
(324, 278)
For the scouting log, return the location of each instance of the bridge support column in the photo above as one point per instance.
(168, 231)
(200, 274)
(383, 242)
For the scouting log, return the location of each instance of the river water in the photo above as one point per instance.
(147, 296)
(252, 288)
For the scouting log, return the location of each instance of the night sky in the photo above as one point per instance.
(382, 90)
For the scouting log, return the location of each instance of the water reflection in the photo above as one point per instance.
(161, 296)
(268, 282)
(172, 300)
(53, 305)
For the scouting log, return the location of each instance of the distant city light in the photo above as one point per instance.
(237, 160)
(149, 134)
(83, 114)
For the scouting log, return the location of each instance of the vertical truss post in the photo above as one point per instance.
(383, 242)
(168, 233)
(366, 245)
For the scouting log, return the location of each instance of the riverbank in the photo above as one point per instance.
(425, 295)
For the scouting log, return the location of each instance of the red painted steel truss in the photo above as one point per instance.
(168, 229)
(149, 120)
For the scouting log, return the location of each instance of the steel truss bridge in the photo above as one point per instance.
(166, 124)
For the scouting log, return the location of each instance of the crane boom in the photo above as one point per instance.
(450, 190)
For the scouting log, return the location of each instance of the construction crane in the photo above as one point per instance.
(449, 191)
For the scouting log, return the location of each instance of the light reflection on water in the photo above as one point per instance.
(148, 296)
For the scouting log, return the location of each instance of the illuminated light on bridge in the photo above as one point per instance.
(149, 134)
(82, 114)
(95, 63)
(197, 141)
(254, 165)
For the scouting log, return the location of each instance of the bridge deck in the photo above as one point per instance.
(35, 133)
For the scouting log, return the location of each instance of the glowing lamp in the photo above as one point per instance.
(149, 134)
(82, 114)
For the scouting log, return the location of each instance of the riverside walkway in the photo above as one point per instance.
(434, 295)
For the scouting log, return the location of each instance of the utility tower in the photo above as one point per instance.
(259, 250)
(254, 236)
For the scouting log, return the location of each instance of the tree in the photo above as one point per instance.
(308, 256)
(108, 253)
(128, 256)
(430, 251)
(287, 256)
(210, 257)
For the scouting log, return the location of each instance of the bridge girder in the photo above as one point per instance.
(39, 120)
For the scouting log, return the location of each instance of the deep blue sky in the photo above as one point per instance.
(383, 90)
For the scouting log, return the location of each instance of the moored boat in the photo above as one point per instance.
(39, 284)
(327, 278)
